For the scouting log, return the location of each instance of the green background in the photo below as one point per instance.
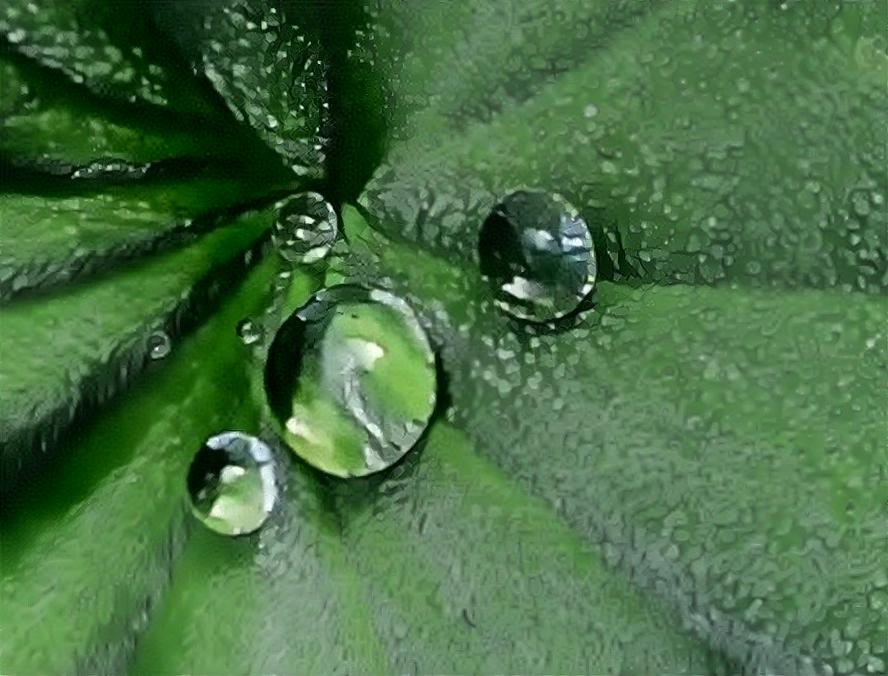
(692, 477)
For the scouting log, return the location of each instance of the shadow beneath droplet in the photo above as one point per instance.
(576, 319)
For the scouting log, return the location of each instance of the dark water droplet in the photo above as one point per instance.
(159, 345)
(249, 332)
(305, 228)
(351, 380)
(231, 483)
(538, 254)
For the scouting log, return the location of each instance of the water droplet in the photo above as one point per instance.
(400, 630)
(538, 254)
(159, 345)
(249, 332)
(231, 483)
(305, 228)
(351, 380)
(860, 203)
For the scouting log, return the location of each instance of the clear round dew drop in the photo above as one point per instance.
(537, 252)
(351, 380)
(159, 345)
(305, 228)
(231, 483)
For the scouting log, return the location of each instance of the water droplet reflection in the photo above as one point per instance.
(305, 228)
(351, 380)
(231, 483)
(248, 331)
(538, 254)
(159, 345)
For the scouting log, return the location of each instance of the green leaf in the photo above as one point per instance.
(49, 123)
(265, 60)
(706, 142)
(87, 341)
(49, 239)
(695, 441)
(443, 567)
(89, 547)
(689, 477)
(114, 50)
(727, 443)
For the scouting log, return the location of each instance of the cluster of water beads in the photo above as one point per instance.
(538, 254)
(231, 483)
(350, 377)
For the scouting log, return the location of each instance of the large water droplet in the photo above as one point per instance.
(351, 380)
(305, 228)
(159, 345)
(538, 254)
(231, 482)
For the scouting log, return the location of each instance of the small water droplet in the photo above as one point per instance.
(400, 630)
(538, 254)
(231, 483)
(305, 228)
(351, 380)
(249, 332)
(860, 203)
(159, 345)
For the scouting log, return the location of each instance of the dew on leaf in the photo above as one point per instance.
(231, 483)
(538, 254)
(351, 380)
(159, 345)
(248, 331)
(305, 228)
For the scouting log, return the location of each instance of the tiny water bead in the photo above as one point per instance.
(231, 483)
(249, 331)
(351, 380)
(159, 345)
(305, 228)
(538, 254)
